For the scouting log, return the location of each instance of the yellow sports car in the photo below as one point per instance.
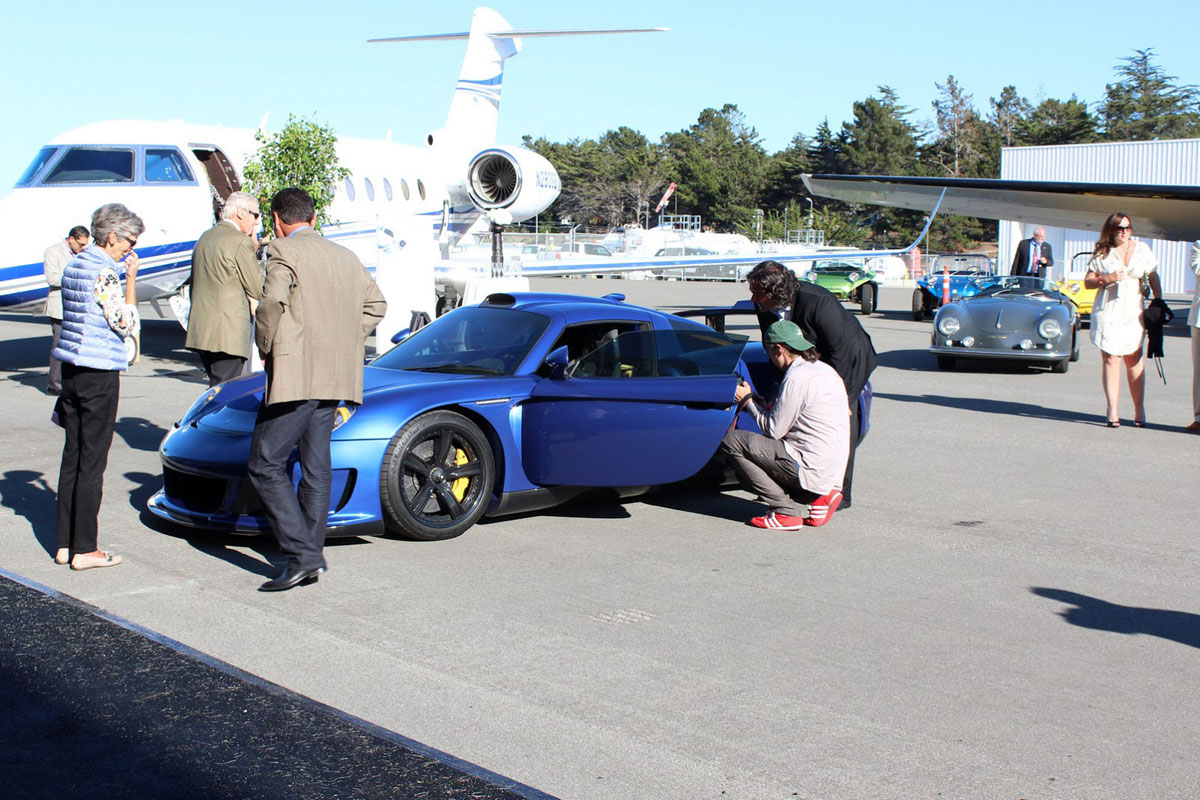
(1080, 295)
(1072, 286)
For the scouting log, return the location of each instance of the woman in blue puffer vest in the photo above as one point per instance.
(97, 318)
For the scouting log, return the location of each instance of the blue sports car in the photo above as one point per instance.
(963, 273)
(516, 404)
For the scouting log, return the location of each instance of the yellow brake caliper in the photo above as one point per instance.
(459, 487)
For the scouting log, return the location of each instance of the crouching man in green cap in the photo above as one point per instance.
(796, 464)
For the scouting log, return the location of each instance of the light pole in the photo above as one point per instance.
(810, 211)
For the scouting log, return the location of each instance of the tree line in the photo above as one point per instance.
(724, 173)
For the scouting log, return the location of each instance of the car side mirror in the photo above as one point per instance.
(558, 360)
(400, 335)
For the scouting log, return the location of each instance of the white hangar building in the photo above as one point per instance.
(1172, 162)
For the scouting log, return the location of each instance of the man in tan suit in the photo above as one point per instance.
(318, 307)
(226, 283)
(54, 261)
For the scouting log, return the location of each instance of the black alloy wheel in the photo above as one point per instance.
(437, 477)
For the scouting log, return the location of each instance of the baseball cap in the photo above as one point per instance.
(787, 332)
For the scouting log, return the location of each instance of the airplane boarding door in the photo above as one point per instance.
(222, 177)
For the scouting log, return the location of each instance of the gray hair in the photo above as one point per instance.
(236, 202)
(115, 218)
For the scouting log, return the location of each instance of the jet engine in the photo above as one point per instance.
(512, 178)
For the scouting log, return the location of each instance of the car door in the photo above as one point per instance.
(645, 408)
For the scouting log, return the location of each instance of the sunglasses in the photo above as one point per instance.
(132, 242)
(254, 214)
(1124, 227)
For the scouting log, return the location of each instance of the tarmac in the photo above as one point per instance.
(1010, 609)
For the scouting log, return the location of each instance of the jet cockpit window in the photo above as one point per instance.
(404, 188)
(369, 188)
(40, 160)
(93, 165)
(387, 189)
(166, 165)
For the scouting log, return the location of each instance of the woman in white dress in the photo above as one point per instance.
(1116, 270)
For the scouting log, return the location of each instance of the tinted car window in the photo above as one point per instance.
(469, 340)
(92, 165)
(40, 160)
(165, 165)
(662, 354)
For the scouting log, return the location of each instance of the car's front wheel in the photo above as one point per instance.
(1075, 344)
(867, 298)
(945, 362)
(437, 477)
(1061, 366)
(918, 308)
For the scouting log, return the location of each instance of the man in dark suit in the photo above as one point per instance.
(1033, 256)
(837, 335)
(226, 283)
(318, 306)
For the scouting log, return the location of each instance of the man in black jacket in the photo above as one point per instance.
(837, 335)
(1033, 255)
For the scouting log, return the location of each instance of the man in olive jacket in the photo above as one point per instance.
(318, 306)
(226, 283)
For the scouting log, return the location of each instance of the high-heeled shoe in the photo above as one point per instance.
(1139, 423)
(1114, 423)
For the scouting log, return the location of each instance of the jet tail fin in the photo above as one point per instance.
(475, 107)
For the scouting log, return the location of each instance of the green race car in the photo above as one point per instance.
(848, 281)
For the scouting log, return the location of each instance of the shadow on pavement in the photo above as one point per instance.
(1091, 612)
(140, 433)
(995, 407)
(31, 496)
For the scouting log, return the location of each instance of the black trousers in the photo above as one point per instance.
(298, 516)
(54, 382)
(849, 478)
(87, 410)
(221, 367)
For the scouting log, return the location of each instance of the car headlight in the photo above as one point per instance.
(812, 276)
(948, 325)
(852, 277)
(1049, 328)
(1073, 288)
(343, 414)
(194, 412)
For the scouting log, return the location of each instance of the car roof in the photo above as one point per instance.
(573, 308)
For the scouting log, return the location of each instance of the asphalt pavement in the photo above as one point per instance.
(1010, 609)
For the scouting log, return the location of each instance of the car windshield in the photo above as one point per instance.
(473, 340)
(837, 267)
(1011, 285)
(663, 354)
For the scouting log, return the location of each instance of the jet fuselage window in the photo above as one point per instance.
(369, 188)
(387, 189)
(166, 165)
(404, 188)
(93, 165)
(40, 160)
(350, 190)
(420, 188)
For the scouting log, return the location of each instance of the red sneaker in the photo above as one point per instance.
(778, 522)
(821, 510)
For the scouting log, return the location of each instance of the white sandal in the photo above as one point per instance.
(106, 559)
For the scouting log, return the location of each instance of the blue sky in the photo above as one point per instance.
(787, 65)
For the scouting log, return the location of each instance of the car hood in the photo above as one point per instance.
(1005, 315)
(235, 407)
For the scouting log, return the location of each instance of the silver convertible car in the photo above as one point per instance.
(1008, 318)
